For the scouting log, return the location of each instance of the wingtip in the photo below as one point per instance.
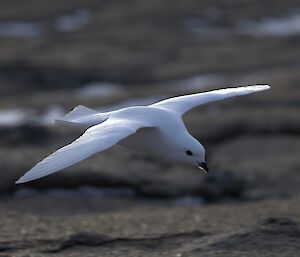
(264, 87)
(21, 180)
(260, 87)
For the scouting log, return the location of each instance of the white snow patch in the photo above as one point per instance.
(21, 29)
(73, 21)
(266, 27)
(12, 117)
(99, 89)
(277, 27)
(52, 113)
(201, 28)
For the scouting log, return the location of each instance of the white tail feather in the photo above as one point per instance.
(79, 112)
(82, 117)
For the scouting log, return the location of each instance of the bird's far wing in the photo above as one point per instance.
(182, 104)
(94, 140)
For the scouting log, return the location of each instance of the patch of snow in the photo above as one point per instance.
(21, 29)
(73, 21)
(99, 89)
(12, 117)
(35, 29)
(200, 27)
(15, 117)
(266, 27)
(277, 27)
(52, 113)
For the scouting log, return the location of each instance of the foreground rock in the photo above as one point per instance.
(266, 228)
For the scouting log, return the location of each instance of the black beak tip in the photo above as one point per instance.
(203, 166)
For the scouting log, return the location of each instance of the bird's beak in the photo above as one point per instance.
(203, 166)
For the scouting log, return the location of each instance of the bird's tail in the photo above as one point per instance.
(81, 117)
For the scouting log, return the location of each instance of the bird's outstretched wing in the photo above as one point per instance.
(182, 104)
(94, 140)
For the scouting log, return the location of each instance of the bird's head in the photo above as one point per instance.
(189, 151)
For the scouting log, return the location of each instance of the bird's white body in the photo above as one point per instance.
(147, 140)
(157, 130)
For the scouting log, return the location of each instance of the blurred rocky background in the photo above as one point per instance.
(55, 55)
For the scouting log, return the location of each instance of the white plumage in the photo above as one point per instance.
(166, 136)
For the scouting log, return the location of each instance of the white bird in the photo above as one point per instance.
(157, 130)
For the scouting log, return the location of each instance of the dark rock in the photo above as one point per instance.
(221, 185)
(86, 239)
(26, 134)
(276, 230)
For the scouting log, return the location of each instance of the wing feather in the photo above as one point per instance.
(182, 104)
(94, 140)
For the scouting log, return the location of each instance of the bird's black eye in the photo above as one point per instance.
(189, 152)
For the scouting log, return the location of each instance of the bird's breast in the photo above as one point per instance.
(147, 140)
